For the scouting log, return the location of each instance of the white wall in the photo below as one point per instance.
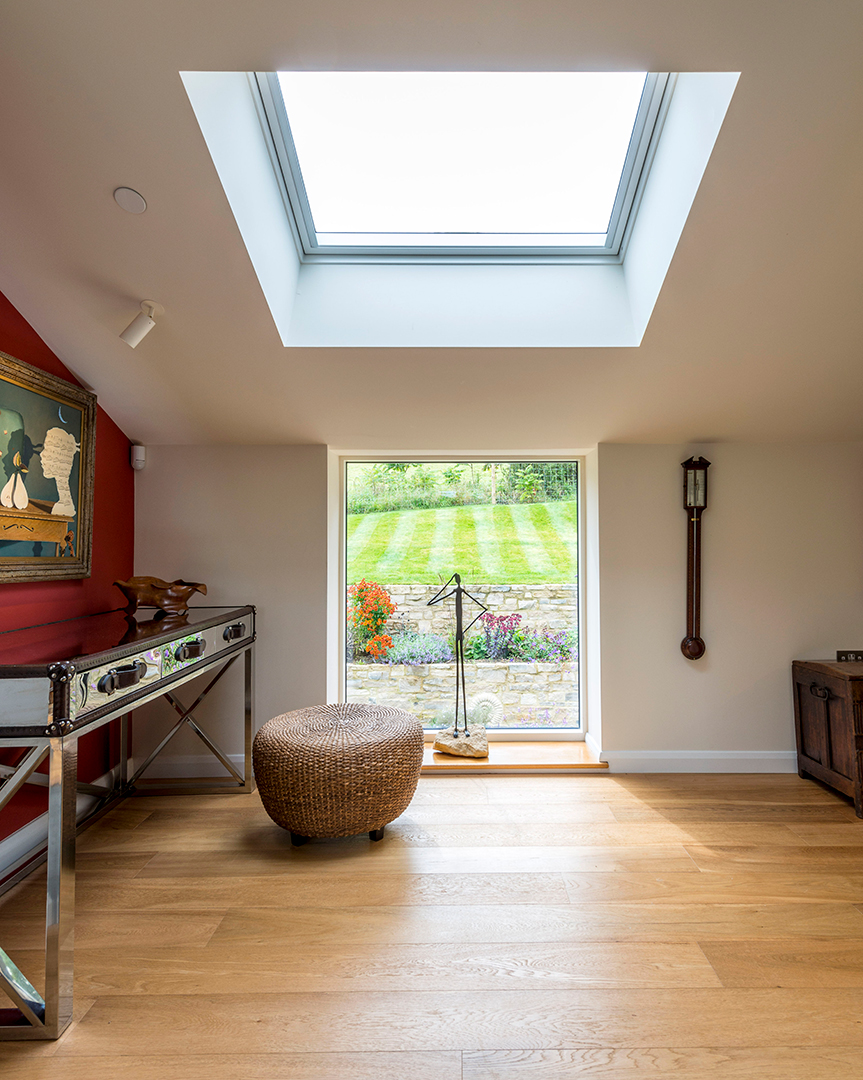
(783, 580)
(782, 565)
(250, 522)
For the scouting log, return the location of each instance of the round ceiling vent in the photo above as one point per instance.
(130, 200)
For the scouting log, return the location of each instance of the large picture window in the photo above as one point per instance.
(510, 530)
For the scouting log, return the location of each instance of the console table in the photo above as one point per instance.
(64, 680)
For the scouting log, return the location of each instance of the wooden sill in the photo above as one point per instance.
(524, 756)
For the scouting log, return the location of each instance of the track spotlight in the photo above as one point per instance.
(142, 324)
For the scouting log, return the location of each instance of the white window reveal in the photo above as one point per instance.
(466, 210)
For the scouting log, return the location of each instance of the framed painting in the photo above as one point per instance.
(47, 432)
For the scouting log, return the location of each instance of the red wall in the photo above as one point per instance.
(113, 507)
(113, 538)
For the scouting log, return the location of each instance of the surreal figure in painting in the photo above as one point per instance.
(58, 455)
(15, 453)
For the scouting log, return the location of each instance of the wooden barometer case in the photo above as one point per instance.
(695, 503)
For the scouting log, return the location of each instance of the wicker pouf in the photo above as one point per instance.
(338, 770)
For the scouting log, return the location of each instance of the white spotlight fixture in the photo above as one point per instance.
(142, 324)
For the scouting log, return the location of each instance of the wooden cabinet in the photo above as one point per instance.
(828, 716)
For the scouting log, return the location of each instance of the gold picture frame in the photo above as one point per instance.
(46, 475)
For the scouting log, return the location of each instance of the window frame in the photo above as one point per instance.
(338, 579)
(652, 109)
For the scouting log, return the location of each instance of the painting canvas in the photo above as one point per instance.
(47, 429)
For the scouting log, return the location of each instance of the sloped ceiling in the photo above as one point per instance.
(757, 334)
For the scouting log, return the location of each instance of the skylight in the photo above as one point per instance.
(461, 163)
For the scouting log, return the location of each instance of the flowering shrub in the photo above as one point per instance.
(369, 608)
(546, 644)
(499, 631)
(378, 646)
(412, 648)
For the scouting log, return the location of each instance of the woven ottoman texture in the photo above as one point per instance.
(338, 770)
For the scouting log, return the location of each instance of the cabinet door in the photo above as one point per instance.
(840, 733)
(811, 719)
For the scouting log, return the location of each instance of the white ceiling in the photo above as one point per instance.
(757, 334)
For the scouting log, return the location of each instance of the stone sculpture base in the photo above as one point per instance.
(474, 746)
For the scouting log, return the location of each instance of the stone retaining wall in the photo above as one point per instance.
(554, 606)
(533, 694)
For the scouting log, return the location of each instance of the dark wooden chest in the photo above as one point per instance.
(828, 716)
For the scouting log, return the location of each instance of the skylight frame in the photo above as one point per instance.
(646, 130)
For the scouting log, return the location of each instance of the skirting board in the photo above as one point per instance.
(699, 761)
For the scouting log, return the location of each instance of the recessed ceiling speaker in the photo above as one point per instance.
(130, 200)
(142, 324)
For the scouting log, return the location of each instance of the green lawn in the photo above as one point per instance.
(492, 545)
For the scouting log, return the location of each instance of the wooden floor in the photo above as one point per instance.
(506, 928)
(506, 756)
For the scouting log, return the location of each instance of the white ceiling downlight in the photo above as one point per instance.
(461, 163)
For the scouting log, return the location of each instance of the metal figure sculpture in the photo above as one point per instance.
(460, 630)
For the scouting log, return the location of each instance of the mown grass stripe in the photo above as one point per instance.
(441, 556)
(467, 558)
(531, 544)
(564, 517)
(377, 543)
(556, 548)
(566, 514)
(518, 568)
(360, 528)
(400, 542)
(491, 560)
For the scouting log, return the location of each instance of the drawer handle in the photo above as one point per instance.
(190, 650)
(234, 631)
(122, 677)
(819, 691)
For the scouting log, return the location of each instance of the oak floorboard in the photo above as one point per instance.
(750, 813)
(265, 835)
(450, 789)
(472, 1020)
(340, 857)
(534, 923)
(565, 813)
(444, 1065)
(687, 1063)
(789, 962)
(277, 968)
(725, 787)
(541, 834)
(316, 890)
(715, 888)
(116, 930)
(831, 834)
(184, 804)
(763, 858)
